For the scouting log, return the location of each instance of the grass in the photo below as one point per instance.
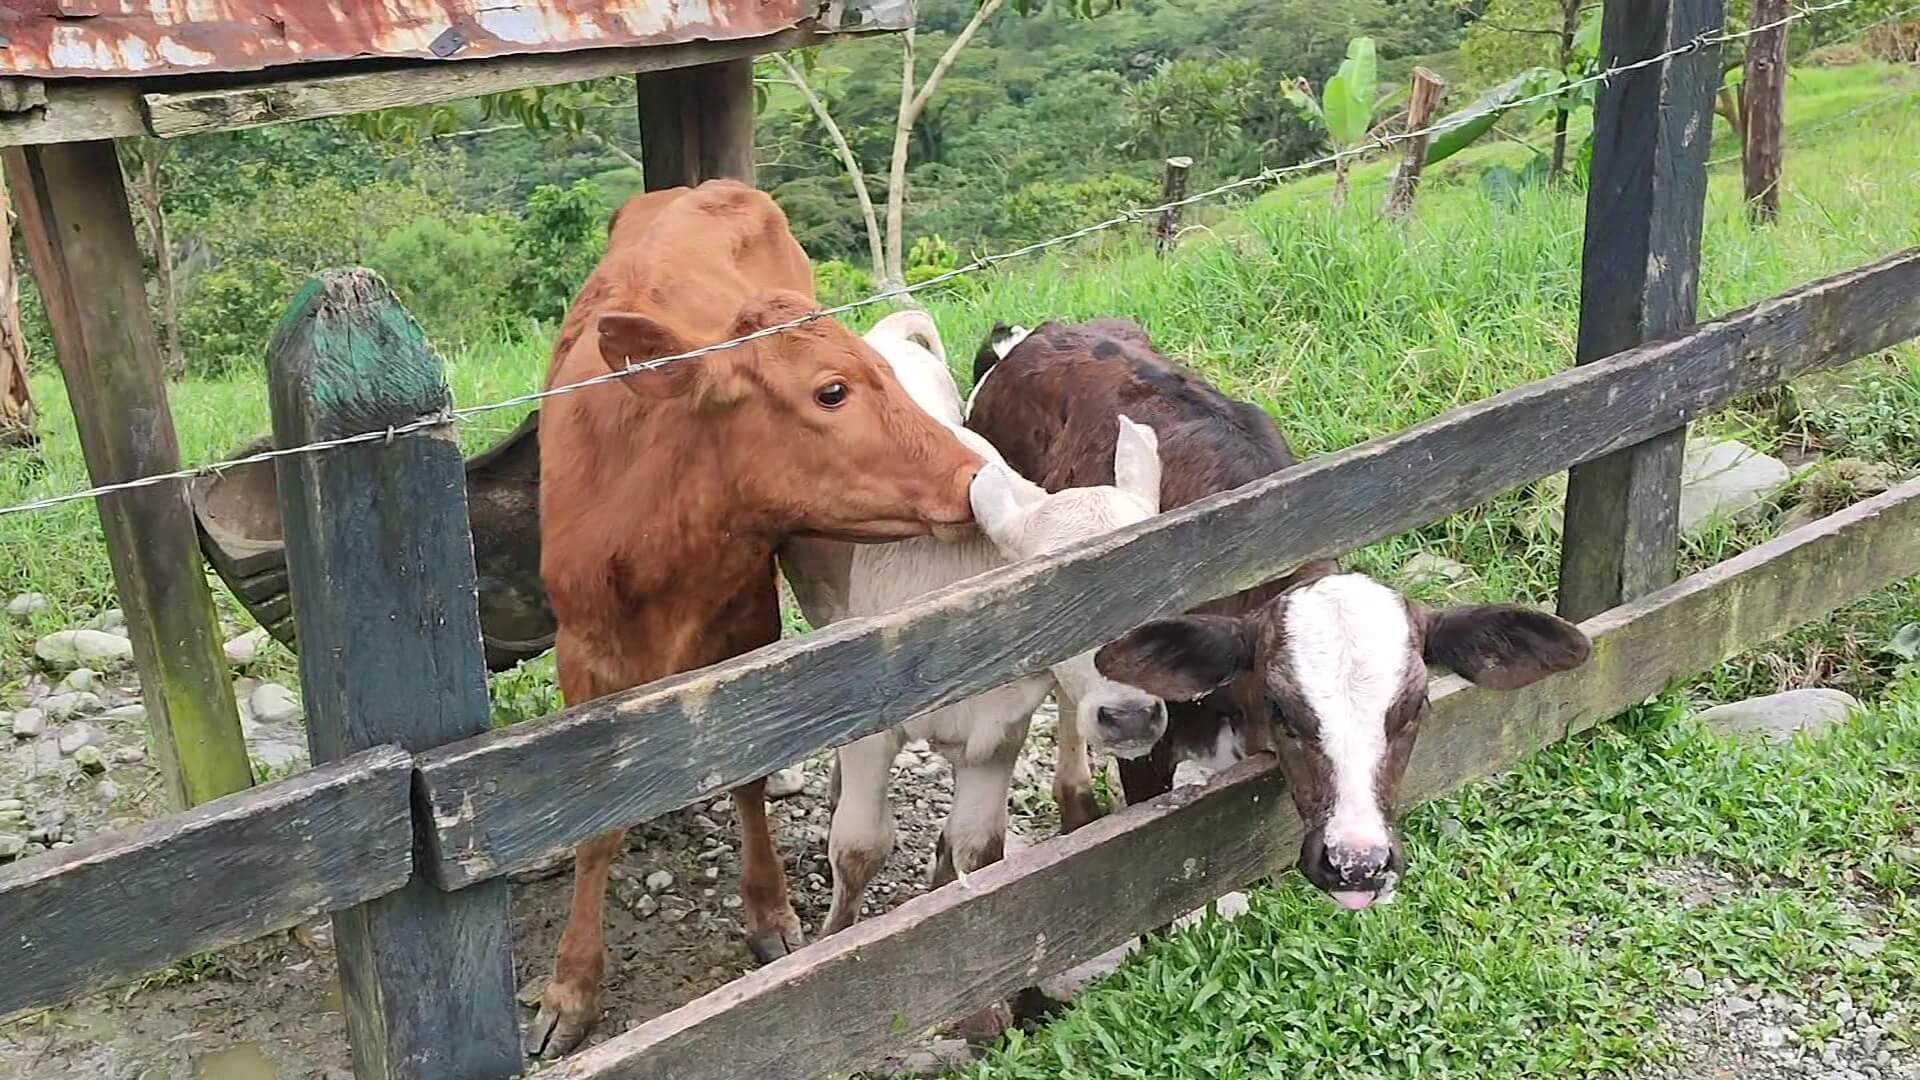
(1531, 938)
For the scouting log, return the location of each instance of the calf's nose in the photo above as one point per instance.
(1131, 725)
(1356, 867)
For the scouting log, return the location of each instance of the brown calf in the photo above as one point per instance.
(664, 495)
(1326, 668)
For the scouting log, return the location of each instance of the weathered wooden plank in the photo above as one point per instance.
(171, 114)
(842, 1003)
(696, 123)
(76, 110)
(380, 564)
(123, 903)
(73, 213)
(1639, 277)
(511, 798)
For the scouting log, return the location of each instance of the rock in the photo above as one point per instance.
(786, 783)
(134, 713)
(29, 723)
(68, 649)
(78, 737)
(1773, 1038)
(12, 845)
(245, 649)
(1451, 828)
(1691, 978)
(732, 902)
(25, 606)
(276, 753)
(112, 621)
(1738, 1006)
(272, 703)
(129, 755)
(12, 806)
(1775, 717)
(531, 993)
(82, 680)
(90, 759)
(66, 706)
(1801, 516)
(646, 906)
(107, 791)
(939, 1058)
(659, 881)
(1427, 568)
(1725, 477)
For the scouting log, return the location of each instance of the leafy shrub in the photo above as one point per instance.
(1049, 208)
(452, 273)
(838, 282)
(556, 245)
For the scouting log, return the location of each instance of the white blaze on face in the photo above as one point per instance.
(1348, 641)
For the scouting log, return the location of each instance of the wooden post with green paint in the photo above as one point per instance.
(381, 571)
(73, 214)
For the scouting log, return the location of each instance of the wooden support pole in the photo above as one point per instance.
(16, 395)
(380, 561)
(1765, 90)
(73, 212)
(696, 123)
(1173, 187)
(1639, 279)
(1428, 89)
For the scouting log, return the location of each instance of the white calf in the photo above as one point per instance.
(983, 735)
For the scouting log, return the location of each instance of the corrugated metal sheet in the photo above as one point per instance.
(119, 38)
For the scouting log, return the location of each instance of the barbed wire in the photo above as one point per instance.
(1265, 177)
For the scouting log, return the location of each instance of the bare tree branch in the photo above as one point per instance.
(876, 247)
(610, 147)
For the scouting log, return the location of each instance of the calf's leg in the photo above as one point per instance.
(975, 836)
(1072, 774)
(773, 930)
(571, 1002)
(861, 838)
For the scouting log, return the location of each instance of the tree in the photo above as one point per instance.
(16, 397)
(1762, 114)
(1346, 107)
(1551, 36)
(144, 163)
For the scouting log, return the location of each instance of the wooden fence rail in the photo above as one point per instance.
(511, 799)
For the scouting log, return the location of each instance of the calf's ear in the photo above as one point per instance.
(1136, 462)
(1178, 659)
(630, 341)
(1502, 646)
(998, 508)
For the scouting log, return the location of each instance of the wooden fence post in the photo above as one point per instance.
(1428, 89)
(1639, 278)
(1764, 96)
(1173, 187)
(380, 564)
(73, 214)
(696, 123)
(16, 395)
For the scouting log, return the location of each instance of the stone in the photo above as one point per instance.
(1427, 568)
(29, 723)
(90, 759)
(1775, 717)
(659, 881)
(938, 1058)
(107, 791)
(135, 713)
(646, 906)
(245, 649)
(276, 753)
(79, 737)
(112, 620)
(67, 706)
(25, 606)
(786, 783)
(129, 755)
(82, 680)
(1692, 979)
(272, 703)
(1773, 1038)
(12, 806)
(68, 649)
(1726, 478)
(12, 845)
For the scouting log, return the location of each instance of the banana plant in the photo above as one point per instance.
(1348, 103)
(1525, 98)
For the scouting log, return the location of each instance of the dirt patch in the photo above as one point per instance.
(1744, 1033)
(271, 1010)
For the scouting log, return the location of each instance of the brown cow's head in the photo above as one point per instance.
(824, 440)
(1336, 666)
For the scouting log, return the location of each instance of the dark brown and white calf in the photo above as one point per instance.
(1327, 669)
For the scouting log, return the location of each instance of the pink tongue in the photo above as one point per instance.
(1353, 901)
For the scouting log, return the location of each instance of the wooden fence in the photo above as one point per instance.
(416, 814)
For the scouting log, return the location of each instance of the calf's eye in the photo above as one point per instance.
(832, 395)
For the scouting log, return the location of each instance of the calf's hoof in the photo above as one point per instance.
(773, 943)
(563, 1022)
(986, 1025)
(1078, 809)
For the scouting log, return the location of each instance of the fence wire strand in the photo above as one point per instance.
(1264, 178)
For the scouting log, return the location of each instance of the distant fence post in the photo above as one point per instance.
(380, 565)
(1173, 188)
(1639, 277)
(1428, 89)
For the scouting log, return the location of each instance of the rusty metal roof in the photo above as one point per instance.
(124, 38)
